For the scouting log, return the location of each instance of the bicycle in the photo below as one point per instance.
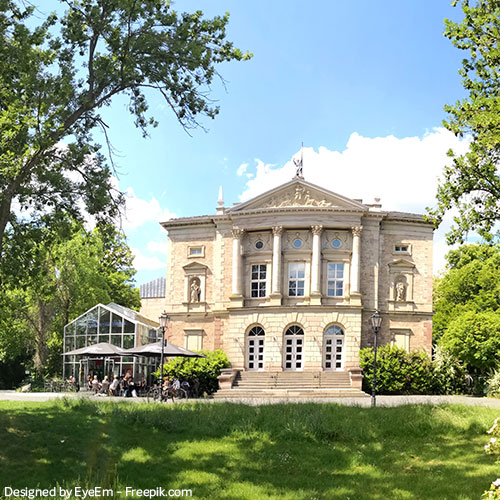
(153, 394)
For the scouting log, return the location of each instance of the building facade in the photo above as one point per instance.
(288, 281)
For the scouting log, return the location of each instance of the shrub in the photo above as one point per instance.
(205, 370)
(493, 385)
(398, 372)
(475, 339)
(449, 372)
(493, 448)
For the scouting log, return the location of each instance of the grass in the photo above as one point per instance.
(237, 452)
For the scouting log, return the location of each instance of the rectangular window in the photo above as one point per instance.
(258, 281)
(335, 287)
(197, 251)
(402, 248)
(193, 340)
(296, 279)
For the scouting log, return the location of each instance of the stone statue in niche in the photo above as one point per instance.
(400, 289)
(195, 290)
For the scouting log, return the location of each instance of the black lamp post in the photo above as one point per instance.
(376, 321)
(163, 327)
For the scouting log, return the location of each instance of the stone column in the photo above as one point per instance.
(316, 265)
(355, 271)
(237, 281)
(276, 276)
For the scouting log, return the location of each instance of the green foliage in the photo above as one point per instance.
(206, 370)
(398, 372)
(246, 452)
(450, 376)
(56, 75)
(493, 448)
(474, 338)
(471, 283)
(493, 385)
(66, 275)
(472, 183)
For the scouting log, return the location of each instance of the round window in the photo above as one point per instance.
(297, 243)
(336, 243)
(259, 245)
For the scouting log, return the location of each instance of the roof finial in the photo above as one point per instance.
(299, 163)
(220, 203)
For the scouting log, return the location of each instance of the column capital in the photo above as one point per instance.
(356, 231)
(316, 230)
(238, 233)
(277, 230)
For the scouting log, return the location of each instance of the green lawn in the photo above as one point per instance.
(237, 452)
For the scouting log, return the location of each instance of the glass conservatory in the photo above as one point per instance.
(116, 325)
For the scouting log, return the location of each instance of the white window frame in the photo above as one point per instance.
(261, 282)
(199, 249)
(296, 278)
(335, 279)
(398, 249)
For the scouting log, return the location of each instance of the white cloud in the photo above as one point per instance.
(157, 247)
(145, 263)
(138, 211)
(402, 172)
(242, 169)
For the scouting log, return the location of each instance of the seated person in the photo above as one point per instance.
(95, 384)
(105, 385)
(113, 388)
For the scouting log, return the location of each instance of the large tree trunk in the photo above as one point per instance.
(41, 349)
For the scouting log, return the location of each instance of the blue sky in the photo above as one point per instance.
(361, 83)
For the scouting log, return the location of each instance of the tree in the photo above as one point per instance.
(55, 78)
(474, 338)
(467, 304)
(472, 183)
(66, 276)
(471, 283)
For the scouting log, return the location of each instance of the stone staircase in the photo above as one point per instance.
(289, 385)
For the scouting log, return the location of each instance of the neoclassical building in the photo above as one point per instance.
(287, 281)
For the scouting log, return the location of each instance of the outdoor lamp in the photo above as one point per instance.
(376, 321)
(163, 327)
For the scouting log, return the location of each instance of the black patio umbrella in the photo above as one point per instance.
(154, 349)
(101, 349)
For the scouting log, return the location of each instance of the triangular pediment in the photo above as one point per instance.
(401, 263)
(194, 266)
(298, 193)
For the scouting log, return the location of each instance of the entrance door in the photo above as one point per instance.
(294, 349)
(255, 349)
(333, 348)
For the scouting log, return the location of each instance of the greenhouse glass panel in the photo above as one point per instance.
(92, 322)
(116, 340)
(116, 323)
(81, 326)
(128, 341)
(104, 321)
(129, 327)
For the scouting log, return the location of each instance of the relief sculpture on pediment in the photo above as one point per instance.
(299, 197)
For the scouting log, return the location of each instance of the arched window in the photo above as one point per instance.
(294, 330)
(255, 331)
(333, 348)
(255, 348)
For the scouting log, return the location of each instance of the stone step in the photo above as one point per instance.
(288, 394)
(291, 380)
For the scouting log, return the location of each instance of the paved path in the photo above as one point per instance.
(364, 402)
